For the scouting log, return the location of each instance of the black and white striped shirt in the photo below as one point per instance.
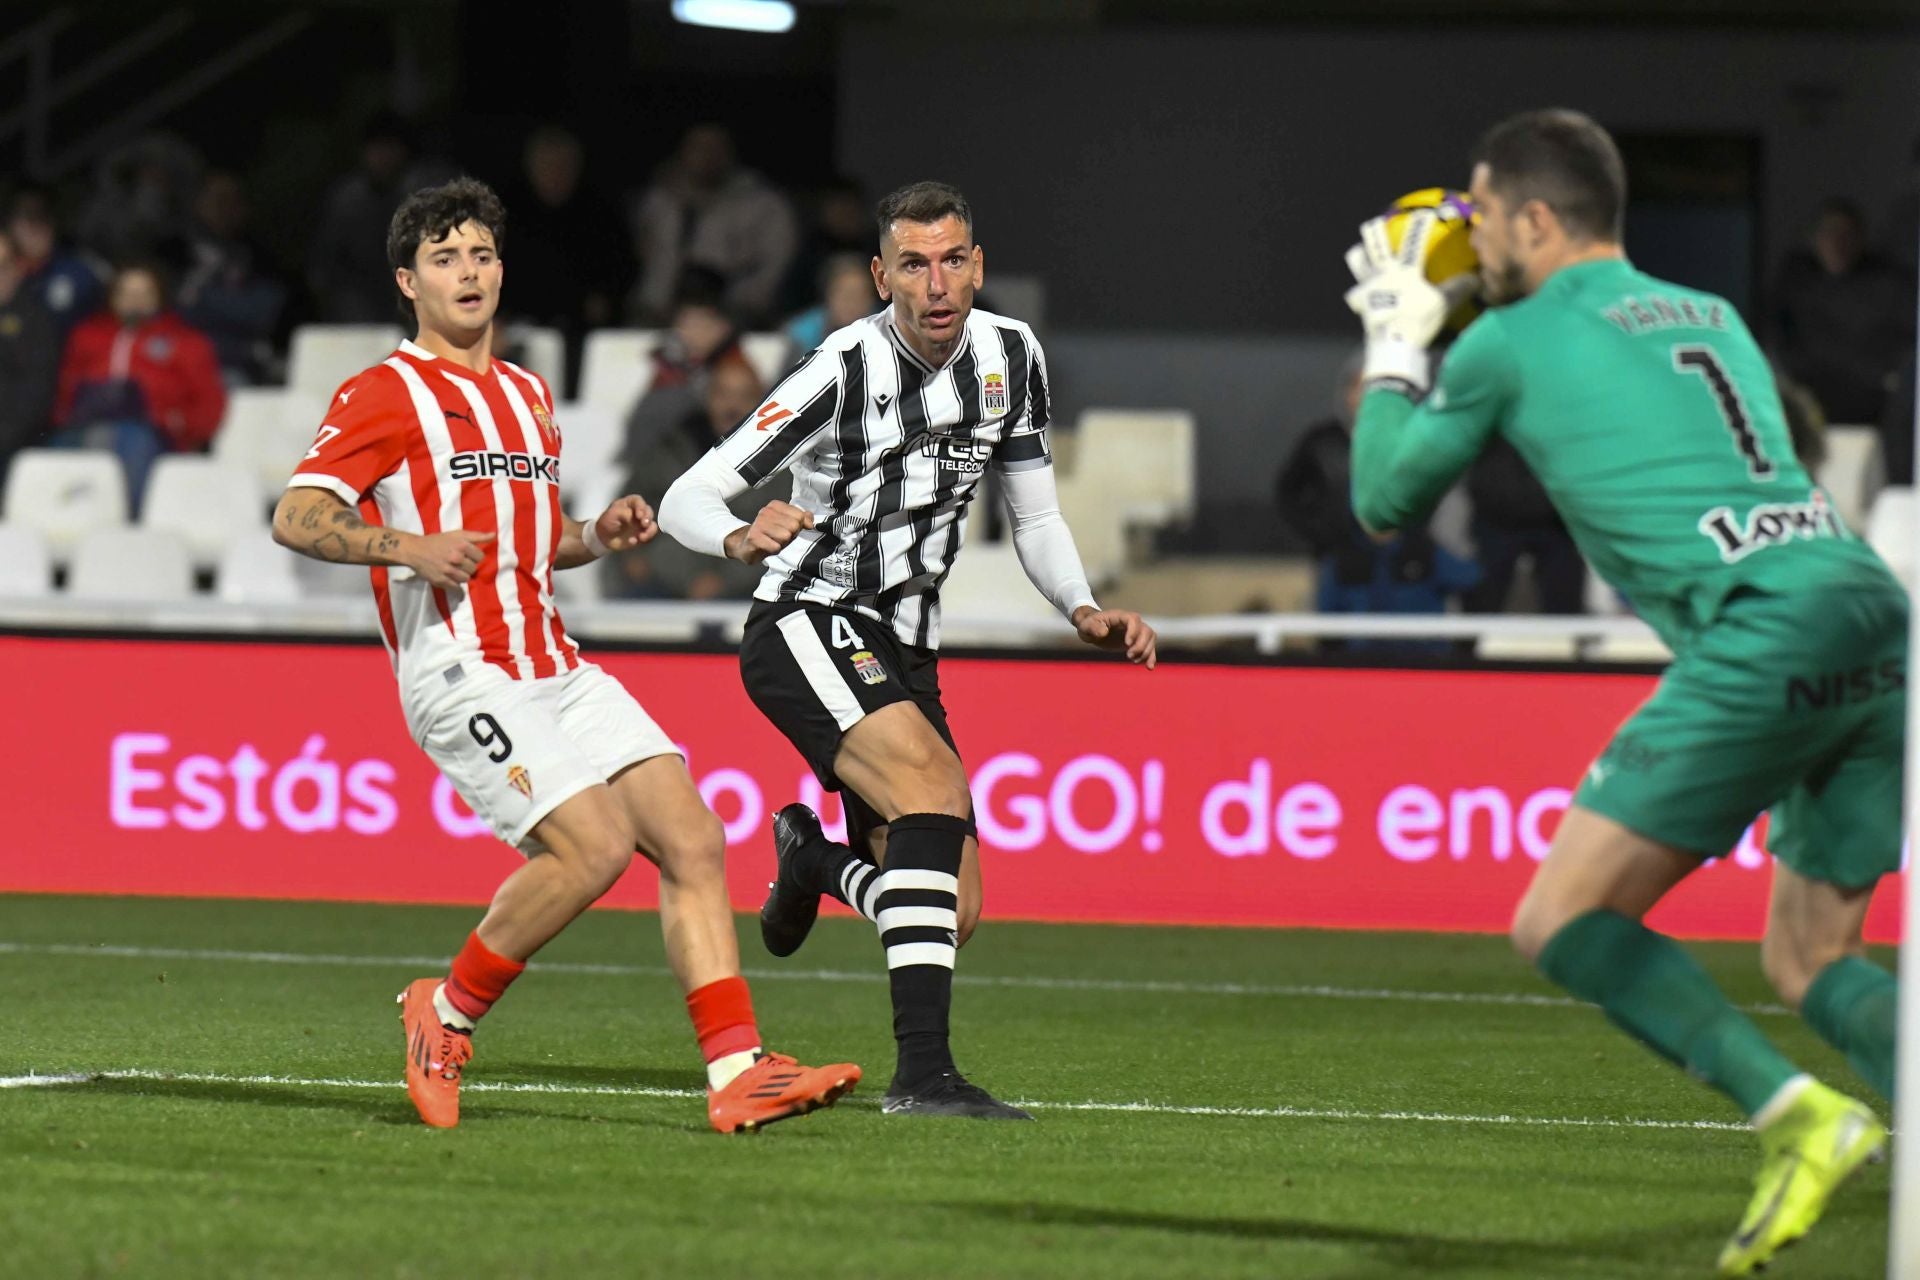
(886, 451)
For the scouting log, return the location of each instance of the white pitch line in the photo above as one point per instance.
(1130, 1108)
(1141, 985)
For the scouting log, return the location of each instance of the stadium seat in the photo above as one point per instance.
(1892, 528)
(988, 582)
(266, 431)
(1853, 472)
(590, 467)
(540, 349)
(1142, 459)
(616, 368)
(64, 494)
(26, 570)
(131, 564)
(767, 353)
(579, 585)
(323, 356)
(1122, 469)
(1505, 648)
(254, 569)
(209, 503)
(320, 580)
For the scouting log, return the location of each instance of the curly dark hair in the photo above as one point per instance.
(431, 213)
(924, 202)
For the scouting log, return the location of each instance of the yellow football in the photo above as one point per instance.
(1449, 251)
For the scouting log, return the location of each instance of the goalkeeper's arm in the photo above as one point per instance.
(1406, 455)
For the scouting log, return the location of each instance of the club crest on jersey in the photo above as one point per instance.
(869, 667)
(549, 429)
(480, 465)
(520, 780)
(994, 393)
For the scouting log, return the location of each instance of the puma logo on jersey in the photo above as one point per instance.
(770, 415)
(512, 466)
(346, 395)
(463, 417)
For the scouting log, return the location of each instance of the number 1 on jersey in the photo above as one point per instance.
(1704, 363)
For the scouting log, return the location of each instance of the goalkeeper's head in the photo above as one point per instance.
(1551, 191)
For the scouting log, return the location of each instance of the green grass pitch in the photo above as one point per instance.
(1210, 1103)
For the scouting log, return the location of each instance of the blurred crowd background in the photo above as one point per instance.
(1164, 191)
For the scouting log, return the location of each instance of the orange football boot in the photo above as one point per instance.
(776, 1087)
(435, 1055)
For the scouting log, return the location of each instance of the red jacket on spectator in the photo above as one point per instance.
(171, 362)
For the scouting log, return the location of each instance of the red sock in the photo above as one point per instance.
(479, 976)
(722, 1014)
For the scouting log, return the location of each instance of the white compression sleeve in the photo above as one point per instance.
(694, 508)
(1043, 541)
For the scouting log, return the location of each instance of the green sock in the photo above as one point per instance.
(1651, 988)
(1851, 1005)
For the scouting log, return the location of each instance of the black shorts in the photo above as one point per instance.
(816, 671)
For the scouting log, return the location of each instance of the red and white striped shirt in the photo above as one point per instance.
(423, 444)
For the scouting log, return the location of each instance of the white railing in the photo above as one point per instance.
(670, 622)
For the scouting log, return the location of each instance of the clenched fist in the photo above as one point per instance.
(777, 524)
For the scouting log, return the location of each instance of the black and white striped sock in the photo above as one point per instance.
(918, 899)
(841, 872)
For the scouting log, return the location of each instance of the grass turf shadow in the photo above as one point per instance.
(1408, 1252)
(374, 1107)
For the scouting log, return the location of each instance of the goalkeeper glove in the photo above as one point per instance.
(1401, 310)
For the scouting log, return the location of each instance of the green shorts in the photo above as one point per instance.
(1794, 704)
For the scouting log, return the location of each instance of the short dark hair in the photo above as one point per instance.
(924, 202)
(432, 213)
(1564, 160)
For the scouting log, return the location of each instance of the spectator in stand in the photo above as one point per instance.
(1844, 318)
(64, 281)
(1514, 520)
(572, 262)
(1411, 572)
(347, 257)
(846, 294)
(138, 380)
(842, 223)
(664, 569)
(229, 291)
(29, 358)
(142, 199)
(704, 210)
(699, 337)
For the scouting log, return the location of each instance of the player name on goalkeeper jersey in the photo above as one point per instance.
(892, 449)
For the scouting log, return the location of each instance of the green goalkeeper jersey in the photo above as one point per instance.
(1651, 417)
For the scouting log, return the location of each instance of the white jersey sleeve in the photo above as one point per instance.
(788, 421)
(1042, 540)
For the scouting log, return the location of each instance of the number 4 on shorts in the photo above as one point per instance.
(844, 636)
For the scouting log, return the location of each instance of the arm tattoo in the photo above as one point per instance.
(332, 546)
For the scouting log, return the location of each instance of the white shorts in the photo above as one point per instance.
(515, 749)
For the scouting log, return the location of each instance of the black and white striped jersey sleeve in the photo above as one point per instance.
(1025, 445)
(797, 411)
